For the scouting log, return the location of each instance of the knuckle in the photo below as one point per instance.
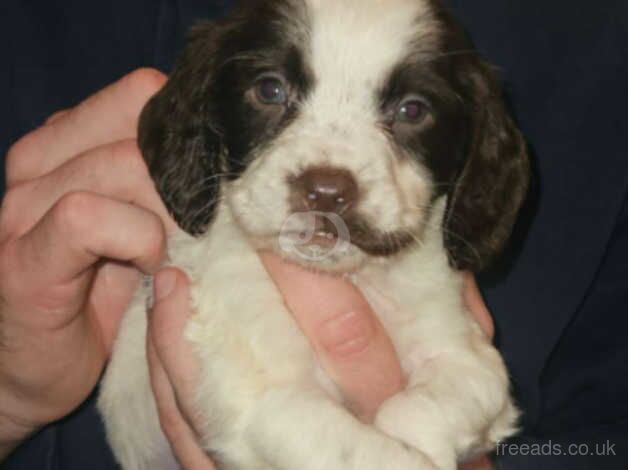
(347, 335)
(57, 115)
(17, 158)
(144, 81)
(74, 210)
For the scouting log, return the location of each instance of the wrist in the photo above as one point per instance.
(12, 434)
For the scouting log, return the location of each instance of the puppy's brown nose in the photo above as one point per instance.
(325, 189)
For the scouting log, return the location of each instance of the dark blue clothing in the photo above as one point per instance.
(560, 302)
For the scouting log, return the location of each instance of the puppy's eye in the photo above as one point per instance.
(271, 90)
(412, 110)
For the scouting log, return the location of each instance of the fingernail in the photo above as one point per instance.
(347, 334)
(165, 282)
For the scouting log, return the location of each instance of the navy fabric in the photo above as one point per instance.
(561, 308)
(565, 66)
(561, 298)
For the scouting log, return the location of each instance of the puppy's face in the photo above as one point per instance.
(332, 126)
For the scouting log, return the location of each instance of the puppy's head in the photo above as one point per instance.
(340, 121)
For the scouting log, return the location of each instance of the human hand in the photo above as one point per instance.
(79, 219)
(479, 463)
(475, 303)
(354, 348)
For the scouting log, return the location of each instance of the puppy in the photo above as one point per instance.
(362, 137)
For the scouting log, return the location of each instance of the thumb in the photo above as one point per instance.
(173, 370)
(345, 333)
(166, 330)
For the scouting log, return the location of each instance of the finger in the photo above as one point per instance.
(346, 335)
(109, 115)
(475, 303)
(180, 435)
(78, 231)
(174, 371)
(167, 322)
(111, 290)
(57, 115)
(116, 170)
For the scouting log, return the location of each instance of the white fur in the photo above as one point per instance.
(265, 402)
(264, 405)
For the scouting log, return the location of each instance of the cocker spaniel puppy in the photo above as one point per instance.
(359, 137)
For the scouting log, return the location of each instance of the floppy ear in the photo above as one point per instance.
(483, 204)
(180, 139)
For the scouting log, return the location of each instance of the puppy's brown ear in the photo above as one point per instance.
(483, 204)
(180, 139)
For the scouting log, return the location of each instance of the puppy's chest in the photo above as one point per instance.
(244, 335)
(243, 330)
(422, 312)
(414, 315)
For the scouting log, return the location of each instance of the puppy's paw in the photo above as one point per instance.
(400, 418)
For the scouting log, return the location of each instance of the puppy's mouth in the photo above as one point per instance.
(377, 243)
(327, 239)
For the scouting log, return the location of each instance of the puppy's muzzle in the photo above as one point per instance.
(324, 189)
(331, 196)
